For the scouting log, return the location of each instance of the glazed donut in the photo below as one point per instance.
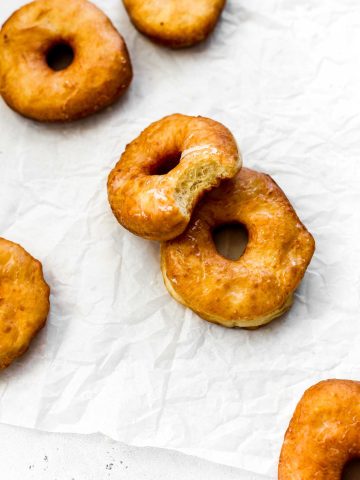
(256, 288)
(175, 23)
(324, 433)
(24, 300)
(157, 205)
(98, 75)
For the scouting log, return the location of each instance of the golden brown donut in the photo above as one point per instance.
(157, 205)
(99, 74)
(24, 300)
(258, 287)
(324, 433)
(175, 23)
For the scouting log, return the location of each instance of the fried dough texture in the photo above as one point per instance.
(259, 286)
(24, 300)
(155, 186)
(99, 73)
(324, 432)
(175, 23)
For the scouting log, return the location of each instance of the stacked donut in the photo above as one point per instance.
(158, 188)
(158, 191)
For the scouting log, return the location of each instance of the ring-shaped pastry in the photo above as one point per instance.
(324, 432)
(99, 73)
(24, 300)
(155, 203)
(256, 288)
(175, 23)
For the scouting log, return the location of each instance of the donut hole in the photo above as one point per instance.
(230, 240)
(60, 56)
(351, 470)
(166, 164)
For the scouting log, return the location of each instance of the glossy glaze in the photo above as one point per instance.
(158, 207)
(324, 433)
(256, 288)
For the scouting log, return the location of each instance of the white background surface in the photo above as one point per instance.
(284, 77)
(32, 455)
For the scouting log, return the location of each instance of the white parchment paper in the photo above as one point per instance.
(119, 355)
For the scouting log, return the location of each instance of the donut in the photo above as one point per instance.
(324, 433)
(175, 23)
(99, 73)
(257, 287)
(24, 300)
(162, 173)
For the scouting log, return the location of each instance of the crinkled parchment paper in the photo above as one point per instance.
(119, 355)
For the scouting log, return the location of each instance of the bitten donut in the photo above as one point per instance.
(256, 288)
(175, 23)
(99, 73)
(24, 300)
(324, 433)
(162, 173)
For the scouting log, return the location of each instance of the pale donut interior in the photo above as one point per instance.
(195, 180)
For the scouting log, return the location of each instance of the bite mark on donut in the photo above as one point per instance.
(195, 181)
(165, 170)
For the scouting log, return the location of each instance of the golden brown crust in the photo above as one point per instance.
(24, 300)
(175, 23)
(256, 288)
(324, 432)
(99, 74)
(158, 207)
